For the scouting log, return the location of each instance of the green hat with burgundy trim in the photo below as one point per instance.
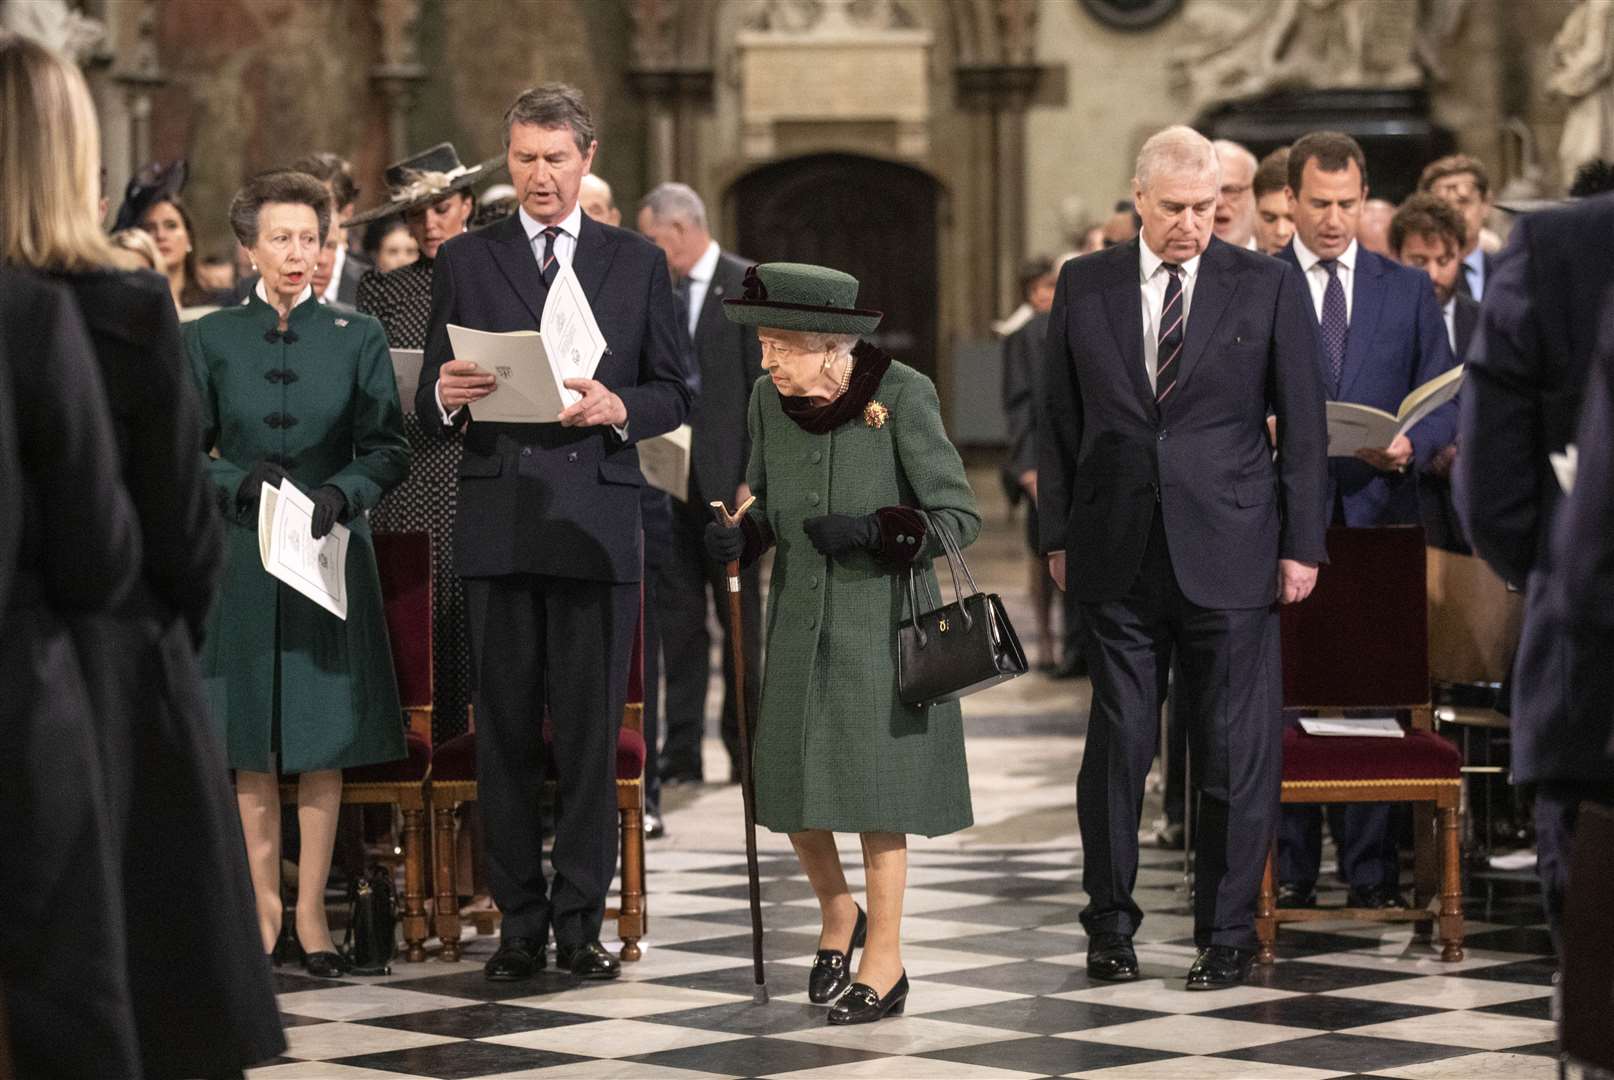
(803, 297)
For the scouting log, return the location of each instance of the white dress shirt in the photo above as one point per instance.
(1317, 275)
(329, 295)
(700, 282)
(1448, 312)
(1152, 280)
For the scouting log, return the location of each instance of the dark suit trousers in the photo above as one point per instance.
(563, 644)
(1557, 808)
(1363, 833)
(681, 594)
(656, 512)
(1231, 681)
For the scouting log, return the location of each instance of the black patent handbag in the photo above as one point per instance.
(953, 649)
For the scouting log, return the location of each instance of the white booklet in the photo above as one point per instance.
(406, 370)
(1384, 727)
(530, 367)
(1353, 427)
(286, 544)
(664, 461)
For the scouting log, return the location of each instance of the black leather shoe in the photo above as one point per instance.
(1376, 896)
(832, 969)
(654, 827)
(589, 961)
(1293, 894)
(326, 965)
(1110, 957)
(861, 1005)
(1220, 967)
(518, 958)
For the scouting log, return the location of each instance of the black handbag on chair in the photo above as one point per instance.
(958, 648)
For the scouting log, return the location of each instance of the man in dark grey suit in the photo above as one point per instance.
(1161, 499)
(547, 533)
(730, 361)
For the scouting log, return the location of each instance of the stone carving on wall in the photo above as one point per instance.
(55, 24)
(1017, 30)
(1438, 28)
(655, 34)
(1243, 50)
(1583, 76)
(799, 18)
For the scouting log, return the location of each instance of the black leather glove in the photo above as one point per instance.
(329, 503)
(724, 543)
(837, 534)
(264, 472)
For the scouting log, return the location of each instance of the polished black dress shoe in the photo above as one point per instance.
(589, 961)
(832, 969)
(1376, 896)
(1110, 957)
(1220, 967)
(326, 965)
(861, 1005)
(518, 958)
(654, 827)
(1293, 894)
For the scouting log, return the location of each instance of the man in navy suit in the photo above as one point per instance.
(1542, 323)
(1161, 500)
(1382, 336)
(547, 532)
(1461, 182)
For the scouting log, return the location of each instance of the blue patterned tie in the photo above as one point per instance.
(1171, 334)
(1335, 325)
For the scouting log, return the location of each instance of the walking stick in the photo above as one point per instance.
(748, 794)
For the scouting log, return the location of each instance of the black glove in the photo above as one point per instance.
(329, 504)
(837, 534)
(264, 472)
(724, 543)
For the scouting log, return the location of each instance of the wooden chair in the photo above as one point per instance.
(1361, 642)
(453, 783)
(404, 561)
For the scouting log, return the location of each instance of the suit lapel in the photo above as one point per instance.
(513, 252)
(711, 313)
(1367, 301)
(592, 260)
(1213, 292)
(1123, 304)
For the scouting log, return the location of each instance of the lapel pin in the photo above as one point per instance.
(341, 322)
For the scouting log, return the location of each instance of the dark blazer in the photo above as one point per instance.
(1543, 323)
(1111, 458)
(730, 359)
(1397, 343)
(1023, 353)
(1583, 535)
(1465, 321)
(542, 498)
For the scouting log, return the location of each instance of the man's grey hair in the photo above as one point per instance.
(1177, 149)
(1227, 150)
(673, 201)
(552, 105)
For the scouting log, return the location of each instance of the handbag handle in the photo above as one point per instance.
(955, 561)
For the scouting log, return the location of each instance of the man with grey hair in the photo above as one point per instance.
(1235, 203)
(547, 530)
(730, 360)
(1183, 532)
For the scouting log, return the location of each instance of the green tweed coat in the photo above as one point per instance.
(835, 747)
(283, 675)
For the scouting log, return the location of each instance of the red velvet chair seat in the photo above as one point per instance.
(456, 759)
(1421, 755)
(408, 769)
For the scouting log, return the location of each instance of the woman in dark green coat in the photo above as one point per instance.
(848, 456)
(292, 389)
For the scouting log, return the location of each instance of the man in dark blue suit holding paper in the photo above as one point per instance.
(547, 533)
(1382, 336)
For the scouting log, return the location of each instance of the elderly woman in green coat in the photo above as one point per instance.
(848, 458)
(295, 390)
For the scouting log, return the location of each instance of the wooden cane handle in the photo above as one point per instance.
(732, 519)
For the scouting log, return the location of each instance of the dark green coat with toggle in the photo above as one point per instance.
(285, 677)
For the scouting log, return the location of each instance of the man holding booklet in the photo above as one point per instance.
(1383, 342)
(548, 529)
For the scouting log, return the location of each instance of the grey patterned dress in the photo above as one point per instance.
(402, 300)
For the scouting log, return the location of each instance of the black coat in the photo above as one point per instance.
(542, 498)
(1543, 322)
(730, 359)
(173, 818)
(1110, 458)
(1023, 353)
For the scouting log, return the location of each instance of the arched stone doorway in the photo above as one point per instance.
(875, 219)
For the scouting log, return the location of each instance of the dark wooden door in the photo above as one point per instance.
(874, 219)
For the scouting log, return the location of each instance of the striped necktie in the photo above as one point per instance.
(1171, 334)
(550, 265)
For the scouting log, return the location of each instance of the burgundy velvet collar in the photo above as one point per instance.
(820, 418)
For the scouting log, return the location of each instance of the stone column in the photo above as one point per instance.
(1001, 92)
(399, 70)
(138, 73)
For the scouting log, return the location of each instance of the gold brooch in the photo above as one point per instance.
(944, 627)
(875, 414)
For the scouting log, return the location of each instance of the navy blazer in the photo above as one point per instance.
(1583, 532)
(1397, 343)
(1110, 458)
(542, 498)
(730, 359)
(1543, 326)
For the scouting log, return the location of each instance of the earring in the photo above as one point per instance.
(829, 361)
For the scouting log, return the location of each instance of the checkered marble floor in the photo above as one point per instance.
(994, 951)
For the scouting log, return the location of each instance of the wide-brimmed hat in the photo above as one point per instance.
(426, 177)
(800, 296)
